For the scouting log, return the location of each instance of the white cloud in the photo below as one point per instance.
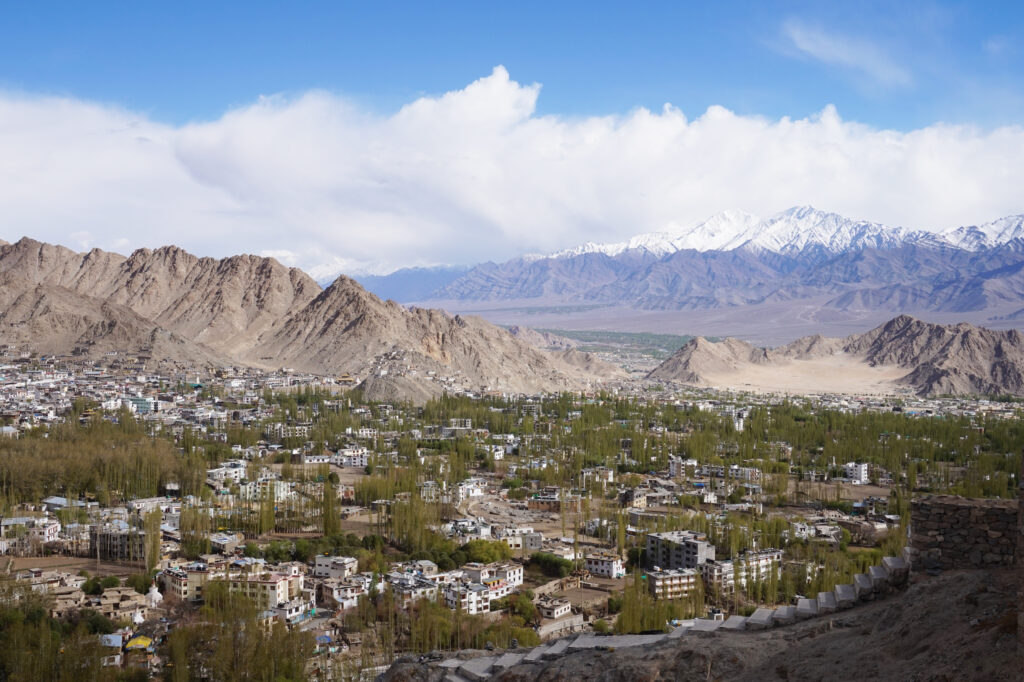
(468, 176)
(851, 53)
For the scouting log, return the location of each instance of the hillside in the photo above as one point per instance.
(960, 625)
(347, 329)
(246, 309)
(54, 320)
(927, 358)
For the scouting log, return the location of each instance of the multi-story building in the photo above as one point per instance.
(257, 490)
(606, 565)
(725, 576)
(678, 549)
(471, 598)
(267, 589)
(355, 458)
(857, 473)
(117, 543)
(409, 589)
(673, 583)
(185, 583)
(335, 566)
(634, 497)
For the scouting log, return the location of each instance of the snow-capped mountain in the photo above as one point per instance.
(797, 229)
(655, 243)
(804, 226)
(995, 233)
(712, 234)
(800, 257)
(717, 232)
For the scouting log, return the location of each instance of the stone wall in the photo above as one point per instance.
(1020, 559)
(950, 532)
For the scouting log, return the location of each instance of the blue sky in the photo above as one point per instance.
(362, 137)
(891, 65)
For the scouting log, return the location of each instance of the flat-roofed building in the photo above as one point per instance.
(678, 549)
(673, 583)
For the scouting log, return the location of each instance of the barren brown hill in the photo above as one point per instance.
(256, 311)
(347, 329)
(225, 304)
(542, 340)
(700, 358)
(54, 320)
(930, 359)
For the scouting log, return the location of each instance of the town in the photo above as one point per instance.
(151, 511)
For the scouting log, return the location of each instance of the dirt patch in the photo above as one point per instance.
(74, 565)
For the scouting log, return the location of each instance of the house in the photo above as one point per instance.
(335, 566)
(606, 565)
(554, 608)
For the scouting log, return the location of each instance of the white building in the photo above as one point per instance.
(554, 608)
(750, 567)
(472, 598)
(672, 583)
(606, 565)
(257, 490)
(335, 566)
(857, 473)
(355, 458)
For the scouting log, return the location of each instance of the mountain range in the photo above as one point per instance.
(174, 307)
(929, 359)
(827, 265)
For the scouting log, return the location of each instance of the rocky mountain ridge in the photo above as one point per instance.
(246, 309)
(800, 257)
(938, 359)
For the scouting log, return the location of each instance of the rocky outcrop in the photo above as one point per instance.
(699, 357)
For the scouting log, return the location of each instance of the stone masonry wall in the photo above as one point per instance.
(950, 532)
(1020, 560)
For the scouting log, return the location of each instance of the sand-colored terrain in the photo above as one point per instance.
(839, 373)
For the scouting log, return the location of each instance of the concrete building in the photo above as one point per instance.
(117, 543)
(335, 566)
(678, 549)
(553, 608)
(724, 576)
(673, 583)
(857, 473)
(472, 598)
(606, 565)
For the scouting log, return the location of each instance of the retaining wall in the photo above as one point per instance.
(950, 532)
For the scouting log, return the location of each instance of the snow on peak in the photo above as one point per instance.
(656, 243)
(801, 227)
(715, 232)
(797, 229)
(977, 237)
